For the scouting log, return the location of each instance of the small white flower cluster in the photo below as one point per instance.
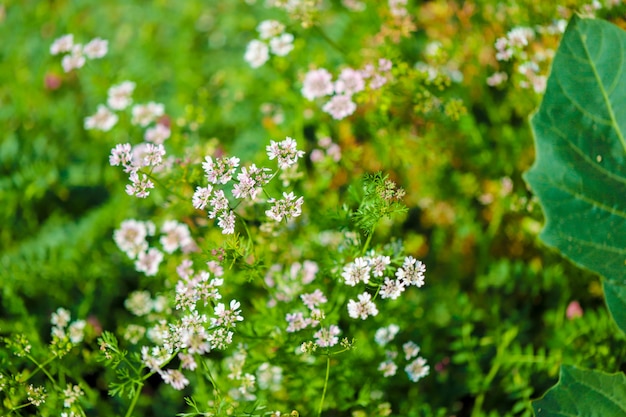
(514, 45)
(286, 285)
(366, 268)
(318, 83)
(325, 337)
(60, 320)
(249, 182)
(132, 239)
(148, 154)
(195, 333)
(76, 53)
(416, 369)
(247, 381)
(354, 5)
(328, 150)
(36, 395)
(271, 32)
(71, 394)
(269, 377)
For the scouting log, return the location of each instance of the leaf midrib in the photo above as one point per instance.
(607, 102)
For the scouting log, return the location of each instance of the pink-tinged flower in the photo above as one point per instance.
(317, 83)
(391, 288)
(221, 170)
(574, 310)
(139, 185)
(62, 44)
(257, 53)
(363, 308)
(119, 96)
(350, 82)
(201, 197)
(285, 151)
(96, 48)
(144, 114)
(175, 378)
(496, 79)
(121, 155)
(340, 106)
(226, 222)
(313, 299)
(327, 337)
(148, 262)
(157, 134)
(103, 120)
(287, 208)
(297, 322)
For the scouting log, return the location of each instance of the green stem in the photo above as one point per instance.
(134, 401)
(367, 242)
(319, 411)
(41, 367)
(329, 40)
(160, 184)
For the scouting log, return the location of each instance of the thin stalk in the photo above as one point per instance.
(319, 411)
(329, 40)
(40, 367)
(134, 401)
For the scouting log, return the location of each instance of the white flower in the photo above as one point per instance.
(270, 28)
(131, 237)
(417, 369)
(317, 83)
(411, 272)
(286, 208)
(391, 288)
(363, 308)
(175, 235)
(75, 59)
(357, 271)
(257, 53)
(340, 107)
(282, 45)
(388, 368)
(62, 44)
(385, 335)
(103, 120)
(60, 318)
(411, 350)
(96, 48)
(119, 96)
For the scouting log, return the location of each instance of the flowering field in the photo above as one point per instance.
(309, 207)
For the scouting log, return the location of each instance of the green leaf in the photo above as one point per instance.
(615, 294)
(583, 392)
(579, 173)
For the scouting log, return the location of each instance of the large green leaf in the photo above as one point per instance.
(585, 393)
(615, 294)
(579, 173)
